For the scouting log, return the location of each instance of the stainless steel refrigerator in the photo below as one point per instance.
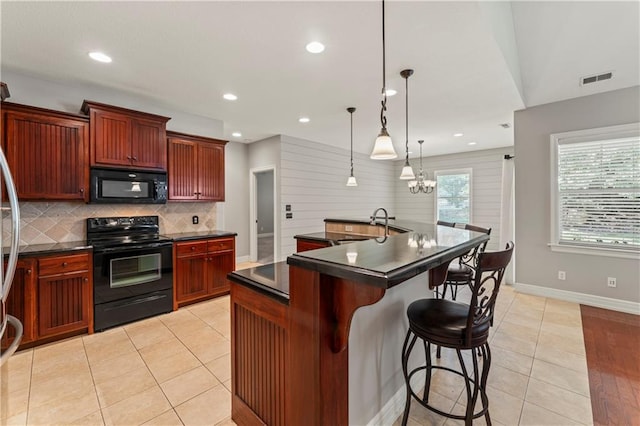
(11, 211)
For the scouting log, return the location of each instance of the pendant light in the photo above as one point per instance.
(407, 170)
(352, 179)
(383, 147)
(421, 184)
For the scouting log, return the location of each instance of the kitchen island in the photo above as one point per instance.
(291, 322)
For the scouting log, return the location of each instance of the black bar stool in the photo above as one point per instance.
(461, 327)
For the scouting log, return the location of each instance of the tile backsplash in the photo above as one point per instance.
(51, 222)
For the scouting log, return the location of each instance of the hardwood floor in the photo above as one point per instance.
(612, 342)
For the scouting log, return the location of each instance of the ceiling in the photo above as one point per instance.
(475, 62)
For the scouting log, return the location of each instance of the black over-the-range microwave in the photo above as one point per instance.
(128, 186)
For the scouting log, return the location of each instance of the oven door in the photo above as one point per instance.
(123, 273)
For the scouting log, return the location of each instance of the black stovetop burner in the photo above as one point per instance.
(110, 232)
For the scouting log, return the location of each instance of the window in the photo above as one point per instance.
(453, 195)
(596, 190)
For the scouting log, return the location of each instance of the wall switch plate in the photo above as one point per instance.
(289, 216)
(611, 281)
(348, 228)
(287, 207)
(195, 220)
(562, 275)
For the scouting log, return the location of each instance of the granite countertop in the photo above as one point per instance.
(51, 248)
(271, 279)
(386, 262)
(199, 235)
(333, 238)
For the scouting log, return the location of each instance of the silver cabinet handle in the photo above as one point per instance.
(15, 228)
(15, 322)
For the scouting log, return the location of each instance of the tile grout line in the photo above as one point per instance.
(93, 380)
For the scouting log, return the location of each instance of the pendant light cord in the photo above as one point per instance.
(351, 114)
(383, 119)
(406, 117)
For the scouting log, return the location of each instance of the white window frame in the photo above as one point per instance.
(587, 135)
(447, 172)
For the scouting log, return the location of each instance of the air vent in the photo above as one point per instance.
(594, 78)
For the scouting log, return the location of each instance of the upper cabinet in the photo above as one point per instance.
(126, 139)
(47, 152)
(196, 168)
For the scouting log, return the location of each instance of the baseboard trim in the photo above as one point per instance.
(241, 259)
(394, 408)
(582, 298)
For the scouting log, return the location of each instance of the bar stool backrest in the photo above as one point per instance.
(487, 278)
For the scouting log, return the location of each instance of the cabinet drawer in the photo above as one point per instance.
(187, 249)
(63, 264)
(220, 244)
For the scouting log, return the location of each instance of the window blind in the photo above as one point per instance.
(599, 193)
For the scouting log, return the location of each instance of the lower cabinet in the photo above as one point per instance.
(201, 268)
(52, 296)
(304, 245)
(21, 302)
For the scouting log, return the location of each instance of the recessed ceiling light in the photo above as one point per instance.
(315, 47)
(304, 119)
(471, 143)
(230, 96)
(236, 134)
(100, 57)
(457, 135)
(391, 92)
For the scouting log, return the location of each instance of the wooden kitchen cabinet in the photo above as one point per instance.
(21, 302)
(196, 168)
(304, 245)
(124, 138)
(201, 268)
(64, 294)
(47, 152)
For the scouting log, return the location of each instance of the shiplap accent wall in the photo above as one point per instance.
(486, 178)
(313, 181)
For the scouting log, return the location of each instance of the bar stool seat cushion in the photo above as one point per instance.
(444, 322)
(459, 272)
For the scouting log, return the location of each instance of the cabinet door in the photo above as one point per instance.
(65, 303)
(110, 139)
(21, 301)
(219, 265)
(148, 144)
(211, 172)
(304, 245)
(182, 176)
(48, 156)
(190, 278)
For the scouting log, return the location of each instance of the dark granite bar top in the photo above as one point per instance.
(271, 280)
(333, 238)
(52, 248)
(200, 235)
(386, 262)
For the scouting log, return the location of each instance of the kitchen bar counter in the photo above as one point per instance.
(290, 363)
(32, 250)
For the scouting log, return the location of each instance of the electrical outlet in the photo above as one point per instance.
(611, 281)
(562, 275)
(348, 228)
(194, 220)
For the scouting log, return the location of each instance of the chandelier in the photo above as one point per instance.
(421, 184)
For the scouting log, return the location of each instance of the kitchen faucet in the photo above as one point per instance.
(385, 217)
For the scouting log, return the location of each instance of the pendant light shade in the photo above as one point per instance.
(407, 170)
(383, 147)
(352, 179)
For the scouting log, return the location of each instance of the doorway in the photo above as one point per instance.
(263, 224)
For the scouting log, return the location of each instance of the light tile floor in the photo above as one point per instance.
(174, 369)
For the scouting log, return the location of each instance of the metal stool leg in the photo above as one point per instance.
(406, 351)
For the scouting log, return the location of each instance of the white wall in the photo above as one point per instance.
(235, 209)
(313, 182)
(486, 188)
(536, 264)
